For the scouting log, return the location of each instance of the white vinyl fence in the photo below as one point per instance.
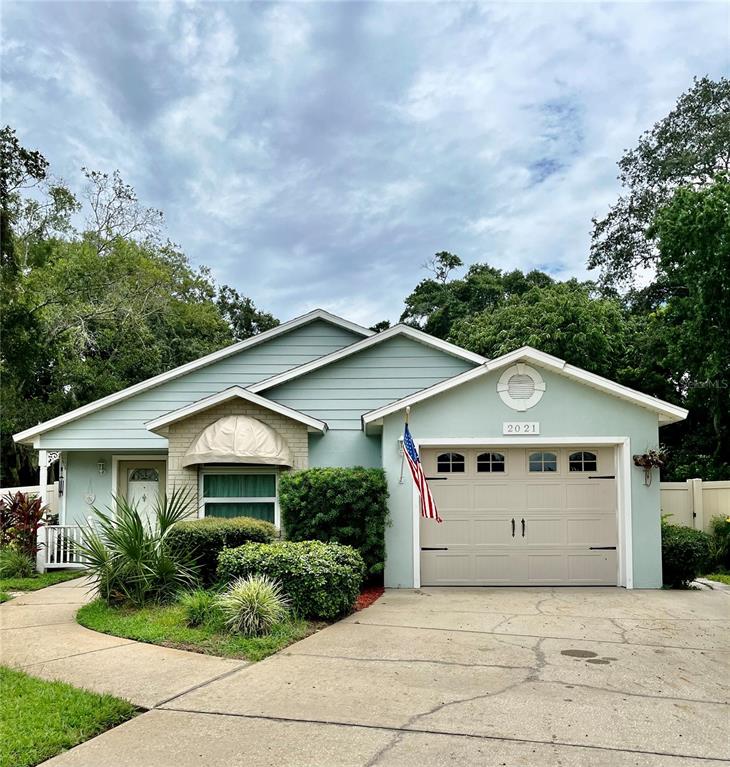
(35, 490)
(694, 503)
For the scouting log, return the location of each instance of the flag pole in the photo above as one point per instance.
(402, 454)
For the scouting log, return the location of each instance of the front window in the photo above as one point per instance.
(240, 495)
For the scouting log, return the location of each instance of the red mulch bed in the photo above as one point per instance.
(367, 596)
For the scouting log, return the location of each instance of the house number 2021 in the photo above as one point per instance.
(520, 427)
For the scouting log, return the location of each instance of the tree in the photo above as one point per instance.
(686, 148)
(564, 320)
(434, 306)
(87, 313)
(693, 237)
(442, 264)
(241, 314)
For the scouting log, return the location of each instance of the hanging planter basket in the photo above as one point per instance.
(653, 459)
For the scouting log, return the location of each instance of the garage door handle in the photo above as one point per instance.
(523, 528)
(513, 527)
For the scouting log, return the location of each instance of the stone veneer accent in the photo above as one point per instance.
(180, 435)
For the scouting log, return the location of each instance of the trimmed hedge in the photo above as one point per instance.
(204, 539)
(339, 505)
(685, 553)
(322, 580)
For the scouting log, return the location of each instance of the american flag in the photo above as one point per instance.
(428, 505)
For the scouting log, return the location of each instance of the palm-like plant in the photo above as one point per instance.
(128, 558)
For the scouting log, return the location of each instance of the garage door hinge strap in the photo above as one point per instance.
(434, 548)
(602, 548)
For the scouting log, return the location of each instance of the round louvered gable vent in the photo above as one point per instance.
(520, 387)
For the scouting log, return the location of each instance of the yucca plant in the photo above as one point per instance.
(127, 557)
(253, 605)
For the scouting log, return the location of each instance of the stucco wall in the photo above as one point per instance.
(180, 435)
(567, 409)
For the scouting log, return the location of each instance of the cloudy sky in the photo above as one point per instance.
(316, 154)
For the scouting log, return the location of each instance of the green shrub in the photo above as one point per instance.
(348, 506)
(322, 580)
(199, 607)
(129, 559)
(204, 539)
(685, 554)
(720, 542)
(253, 605)
(15, 563)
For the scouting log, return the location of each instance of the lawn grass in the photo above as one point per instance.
(38, 580)
(721, 577)
(165, 625)
(40, 719)
(4, 597)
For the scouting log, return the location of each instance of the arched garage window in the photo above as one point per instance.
(447, 463)
(490, 462)
(582, 461)
(543, 462)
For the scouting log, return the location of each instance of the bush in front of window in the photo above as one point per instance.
(204, 539)
(321, 580)
(685, 554)
(339, 505)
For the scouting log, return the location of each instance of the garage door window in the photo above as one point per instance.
(447, 463)
(582, 461)
(490, 462)
(543, 462)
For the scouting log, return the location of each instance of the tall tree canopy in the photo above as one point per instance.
(686, 148)
(91, 310)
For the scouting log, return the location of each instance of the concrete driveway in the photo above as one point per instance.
(478, 676)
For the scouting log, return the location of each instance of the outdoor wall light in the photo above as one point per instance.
(101, 466)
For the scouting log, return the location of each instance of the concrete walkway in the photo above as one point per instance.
(39, 634)
(583, 677)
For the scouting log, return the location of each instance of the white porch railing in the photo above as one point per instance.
(59, 547)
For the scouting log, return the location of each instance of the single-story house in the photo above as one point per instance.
(529, 458)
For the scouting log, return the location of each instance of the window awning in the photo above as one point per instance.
(239, 439)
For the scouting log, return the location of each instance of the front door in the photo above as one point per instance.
(141, 483)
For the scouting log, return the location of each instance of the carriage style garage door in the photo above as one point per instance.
(521, 516)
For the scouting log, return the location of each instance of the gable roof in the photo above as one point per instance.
(317, 314)
(235, 392)
(667, 412)
(397, 330)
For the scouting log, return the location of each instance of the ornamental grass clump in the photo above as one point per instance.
(253, 605)
(199, 607)
(15, 563)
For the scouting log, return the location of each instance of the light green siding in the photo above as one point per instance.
(345, 447)
(122, 426)
(341, 392)
(567, 409)
(82, 480)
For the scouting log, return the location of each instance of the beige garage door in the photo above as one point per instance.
(520, 516)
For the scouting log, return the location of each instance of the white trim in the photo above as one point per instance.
(146, 457)
(667, 412)
(366, 343)
(234, 392)
(520, 404)
(318, 314)
(624, 552)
